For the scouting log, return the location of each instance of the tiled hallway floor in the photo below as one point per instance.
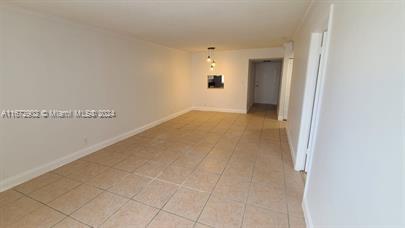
(201, 169)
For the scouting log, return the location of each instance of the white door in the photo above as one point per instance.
(314, 113)
(267, 82)
(310, 109)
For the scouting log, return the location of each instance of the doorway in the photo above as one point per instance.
(264, 83)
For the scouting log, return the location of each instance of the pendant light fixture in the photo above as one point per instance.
(210, 50)
(210, 58)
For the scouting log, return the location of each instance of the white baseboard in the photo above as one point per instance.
(307, 215)
(215, 109)
(292, 149)
(32, 173)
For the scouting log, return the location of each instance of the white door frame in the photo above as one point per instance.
(315, 104)
(311, 82)
(286, 74)
(252, 84)
(317, 60)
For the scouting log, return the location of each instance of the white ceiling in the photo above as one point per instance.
(191, 25)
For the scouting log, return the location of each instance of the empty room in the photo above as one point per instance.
(174, 113)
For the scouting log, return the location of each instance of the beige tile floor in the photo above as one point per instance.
(201, 169)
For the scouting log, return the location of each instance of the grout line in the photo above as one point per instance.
(46, 205)
(52, 182)
(157, 178)
(115, 212)
(252, 174)
(169, 212)
(182, 184)
(221, 174)
(153, 179)
(87, 202)
(285, 181)
(72, 219)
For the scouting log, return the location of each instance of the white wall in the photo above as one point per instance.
(403, 111)
(267, 77)
(234, 65)
(50, 63)
(355, 178)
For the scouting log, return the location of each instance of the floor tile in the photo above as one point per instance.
(268, 196)
(239, 169)
(107, 159)
(130, 185)
(275, 177)
(99, 209)
(295, 205)
(37, 183)
(70, 167)
(108, 178)
(87, 172)
(147, 153)
(204, 181)
(9, 196)
(41, 217)
(54, 190)
(233, 188)
(199, 225)
(13, 212)
(164, 219)
(187, 162)
(187, 203)
(202, 148)
(294, 184)
(222, 213)
(75, 199)
(259, 217)
(132, 214)
(175, 174)
(131, 163)
(156, 194)
(297, 222)
(165, 158)
(129, 150)
(151, 169)
(212, 165)
(70, 223)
